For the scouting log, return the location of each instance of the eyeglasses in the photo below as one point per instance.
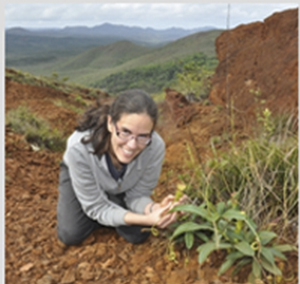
(125, 135)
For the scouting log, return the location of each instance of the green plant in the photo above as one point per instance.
(194, 80)
(36, 130)
(263, 169)
(54, 76)
(64, 104)
(263, 114)
(225, 227)
(154, 77)
(52, 82)
(260, 176)
(80, 100)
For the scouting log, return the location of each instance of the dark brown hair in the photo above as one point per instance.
(95, 118)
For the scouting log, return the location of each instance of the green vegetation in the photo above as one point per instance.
(108, 56)
(53, 81)
(64, 104)
(95, 64)
(25, 50)
(245, 201)
(35, 129)
(151, 78)
(187, 75)
(225, 227)
(194, 78)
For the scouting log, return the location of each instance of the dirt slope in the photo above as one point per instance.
(32, 252)
(260, 57)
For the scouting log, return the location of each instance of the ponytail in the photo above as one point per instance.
(95, 120)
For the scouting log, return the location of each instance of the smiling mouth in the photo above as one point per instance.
(127, 152)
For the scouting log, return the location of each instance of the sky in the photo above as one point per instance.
(155, 15)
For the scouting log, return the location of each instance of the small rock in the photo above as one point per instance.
(69, 277)
(46, 279)
(26, 267)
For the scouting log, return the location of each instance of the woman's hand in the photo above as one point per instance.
(168, 218)
(160, 216)
(165, 218)
(157, 214)
(169, 198)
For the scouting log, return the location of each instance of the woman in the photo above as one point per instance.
(110, 167)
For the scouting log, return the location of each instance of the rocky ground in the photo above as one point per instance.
(33, 253)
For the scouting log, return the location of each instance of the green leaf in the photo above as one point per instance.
(250, 224)
(234, 255)
(222, 224)
(190, 208)
(214, 217)
(256, 269)
(202, 237)
(266, 237)
(233, 214)
(244, 248)
(189, 240)
(220, 207)
(284, 248)
(251, 278)
(232, 236)
(205, 250)
(249, 237)
(267, 253)
(270, 267)
(189, 227)
(225, 266)
(278, 253)
(224, 246)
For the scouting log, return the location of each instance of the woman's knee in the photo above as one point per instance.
(69, 237)
(133, 234)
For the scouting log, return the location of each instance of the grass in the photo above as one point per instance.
(53, 81)
(36, 130)
(263, 172)
(63, 104)
(255, 182)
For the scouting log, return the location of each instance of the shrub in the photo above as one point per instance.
(36, 130)
(245, 200)
(225, 227)
(263, 171)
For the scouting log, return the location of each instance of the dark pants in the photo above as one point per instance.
(73, 225)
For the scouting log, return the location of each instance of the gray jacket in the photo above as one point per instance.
(91, 179)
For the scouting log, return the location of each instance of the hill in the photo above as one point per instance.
(92, 65)
(24, 47)
(102, 57)
(134, 33)
(25, 50)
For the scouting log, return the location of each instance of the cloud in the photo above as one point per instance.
(156, 15)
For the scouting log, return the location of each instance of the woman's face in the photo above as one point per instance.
(132, 126)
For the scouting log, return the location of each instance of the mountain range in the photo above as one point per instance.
(138, 34)
(86, 53)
